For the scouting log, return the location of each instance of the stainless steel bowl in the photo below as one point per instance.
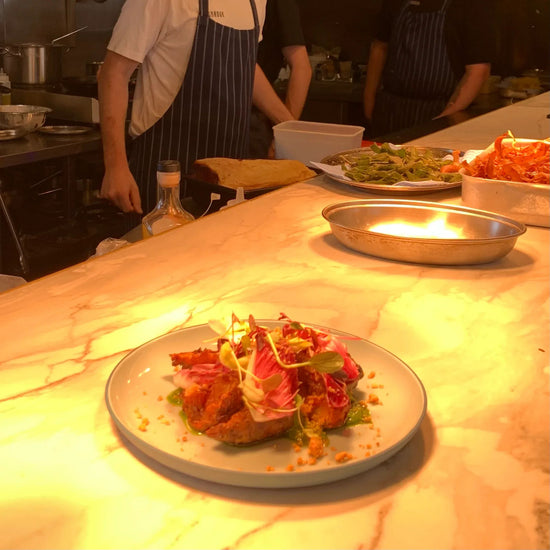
(14, 133)
(423, 232)
(26, 117)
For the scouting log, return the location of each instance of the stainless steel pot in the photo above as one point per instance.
(92, 68)
(33, 63)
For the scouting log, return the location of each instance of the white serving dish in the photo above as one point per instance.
(312, 141)
(528, 203)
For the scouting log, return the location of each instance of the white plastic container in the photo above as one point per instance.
(312, 141)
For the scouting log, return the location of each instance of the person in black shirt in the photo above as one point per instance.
(283, 42)
(429, 59)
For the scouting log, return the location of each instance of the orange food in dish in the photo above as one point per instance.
(512, 159)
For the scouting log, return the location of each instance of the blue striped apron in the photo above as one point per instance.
(210, 115)
(418, 77)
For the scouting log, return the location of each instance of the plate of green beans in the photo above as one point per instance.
(395, 169)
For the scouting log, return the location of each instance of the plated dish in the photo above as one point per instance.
(510, 177)
(331, 166)
(139, 385)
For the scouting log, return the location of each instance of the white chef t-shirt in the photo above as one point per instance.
(159, 34)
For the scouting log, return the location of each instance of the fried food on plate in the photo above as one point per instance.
(250, 173)
(260, 383)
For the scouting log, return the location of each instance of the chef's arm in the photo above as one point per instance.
(118, 184)
(300, 78)
(375, 65)
(265, 98)
(468, 88)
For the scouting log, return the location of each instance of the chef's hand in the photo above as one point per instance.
(119, 186)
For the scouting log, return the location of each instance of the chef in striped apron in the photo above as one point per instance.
(419, 82)
(208, 115)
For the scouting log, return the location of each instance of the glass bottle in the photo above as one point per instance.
(5, 88)
(168, 213)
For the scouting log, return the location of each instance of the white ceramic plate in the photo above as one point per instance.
(139, 384)
(331, 163)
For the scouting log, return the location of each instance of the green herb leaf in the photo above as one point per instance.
(358, 414)
(298, 344)
(327, 361)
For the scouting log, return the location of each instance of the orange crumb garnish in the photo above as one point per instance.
(315, 447)
(143, 426)
(270, 469)
(290, 468)
(371, 374)
(343, 457)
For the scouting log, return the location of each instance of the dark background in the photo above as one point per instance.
(524, 30)
(524, 25)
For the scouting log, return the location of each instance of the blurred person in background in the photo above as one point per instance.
(428, 59)
(195, 85)
(283, 43)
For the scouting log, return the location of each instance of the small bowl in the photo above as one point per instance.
(422, 232)
(27, 117)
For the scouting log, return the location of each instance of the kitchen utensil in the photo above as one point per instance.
(64, 130)
(92, 68)
(36, 64)
(12, 133)
(423, 232)
(22, 117)
(68, 34)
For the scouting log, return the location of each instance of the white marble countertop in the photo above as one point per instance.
(475, 475)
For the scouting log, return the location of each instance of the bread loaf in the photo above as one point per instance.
(250, 173)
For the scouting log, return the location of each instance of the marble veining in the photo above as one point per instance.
(475, 475)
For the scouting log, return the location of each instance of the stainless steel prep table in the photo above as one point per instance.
(38, 147)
